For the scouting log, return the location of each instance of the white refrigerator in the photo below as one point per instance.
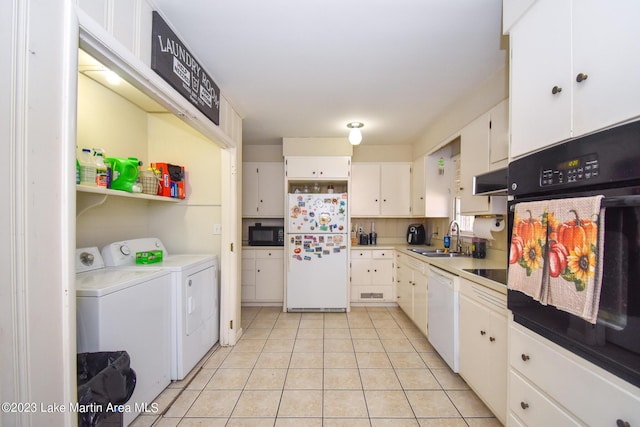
(317, 252)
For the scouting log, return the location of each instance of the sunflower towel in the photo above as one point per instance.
(574, 255)
(528, 240)
(556, 253)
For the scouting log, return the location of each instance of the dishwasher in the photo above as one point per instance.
(443, 309)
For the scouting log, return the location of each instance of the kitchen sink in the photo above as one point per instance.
(436, 253)
(445, 254)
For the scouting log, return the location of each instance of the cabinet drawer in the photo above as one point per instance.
(361, 254)
(382, 254)
(414, 264)
(270, 254)
(548, 366)
(248, 254)
(487, 297)
(532, 407)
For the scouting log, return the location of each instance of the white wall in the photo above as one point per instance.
(187, 227)
(382, 153)
(465, 110)
(262, 153)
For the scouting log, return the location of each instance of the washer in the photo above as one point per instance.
(127, 310)
(195, 319)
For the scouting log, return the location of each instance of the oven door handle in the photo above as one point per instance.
(607, 202)
(620, 201)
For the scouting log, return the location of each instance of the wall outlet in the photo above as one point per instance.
(217, 228)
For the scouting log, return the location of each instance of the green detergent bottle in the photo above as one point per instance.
(124, 173)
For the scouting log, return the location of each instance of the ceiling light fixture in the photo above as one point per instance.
(355, 136)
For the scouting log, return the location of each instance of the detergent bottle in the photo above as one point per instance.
(87, 168)
(102, 174)
(124, 173)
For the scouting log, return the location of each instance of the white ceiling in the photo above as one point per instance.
(306, 68)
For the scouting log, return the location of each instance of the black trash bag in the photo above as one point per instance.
(103, 378)
(176, 173)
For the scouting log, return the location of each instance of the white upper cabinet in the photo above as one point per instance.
(381, 189)
(417, 187)
(499, 135)
(262, 190)
(609, 91)
(365, 189)
(484, 146)
(431, 185)
(567, 77)
(318, 167)
(474, 160)
(541, 77)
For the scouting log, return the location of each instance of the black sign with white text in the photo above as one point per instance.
(172, 61)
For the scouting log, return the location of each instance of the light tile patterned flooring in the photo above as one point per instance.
(369, 367)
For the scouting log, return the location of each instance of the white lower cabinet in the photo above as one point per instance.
(263, 275)
(548, 385)
(483, 344)
(411, 289)
(372, 275)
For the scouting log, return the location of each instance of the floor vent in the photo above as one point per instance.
(370, 295)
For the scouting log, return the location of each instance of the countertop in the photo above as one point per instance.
(454, 265)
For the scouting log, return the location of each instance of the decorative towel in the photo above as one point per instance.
(526, 256)
(574, 255)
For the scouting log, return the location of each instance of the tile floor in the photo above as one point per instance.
(369, 367)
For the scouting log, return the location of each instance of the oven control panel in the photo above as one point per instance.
(569, 171)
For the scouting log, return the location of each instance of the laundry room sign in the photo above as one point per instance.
(174, 63)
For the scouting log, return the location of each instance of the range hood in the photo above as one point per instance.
(492, 183)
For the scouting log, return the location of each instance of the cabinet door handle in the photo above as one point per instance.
(556, 89)
(622, 423)
(581, 77)
(189, 282)
(258, 271)
(524, 405)
(492, 339)
(482, 332)
(375, 271)
(524, 357)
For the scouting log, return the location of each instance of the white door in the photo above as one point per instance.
(365, 189)
(395, 189)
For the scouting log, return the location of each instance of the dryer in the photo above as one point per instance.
(127, 310)
(195, 318)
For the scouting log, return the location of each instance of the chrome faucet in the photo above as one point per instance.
(458, 244)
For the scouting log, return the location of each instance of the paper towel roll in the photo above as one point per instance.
(483, 227)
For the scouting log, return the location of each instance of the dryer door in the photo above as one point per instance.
(200, 301)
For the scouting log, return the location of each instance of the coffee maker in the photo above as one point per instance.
(416, 234)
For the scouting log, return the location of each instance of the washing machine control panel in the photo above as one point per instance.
(122, 253)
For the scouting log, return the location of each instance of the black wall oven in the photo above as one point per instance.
(605, 163)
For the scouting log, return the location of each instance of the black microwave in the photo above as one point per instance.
(269, 235)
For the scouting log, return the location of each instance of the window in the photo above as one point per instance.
(465, 221)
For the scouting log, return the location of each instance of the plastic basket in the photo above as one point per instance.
(150, 184)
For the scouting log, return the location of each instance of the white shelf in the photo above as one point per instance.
(95, 196)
